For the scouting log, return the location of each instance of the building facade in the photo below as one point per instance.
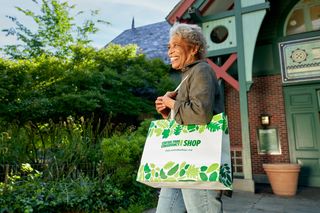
(267, 54)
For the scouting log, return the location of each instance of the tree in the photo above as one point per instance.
(55, 34)
(115, 79)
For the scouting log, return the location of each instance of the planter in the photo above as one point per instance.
(283, 177)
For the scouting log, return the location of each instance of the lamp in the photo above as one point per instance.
(265, 119)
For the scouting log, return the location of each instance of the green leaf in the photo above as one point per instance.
(212, 168)
(168, 165)
(202, 128)
(178, 130)
(146, 168)
(203, 176)
(203, 168)
(163, 124)
(172, 122)
(182, 172)
(165, 133)
(170, 179)
(158, 131)
(192, 171)
(152, 165)
(182, 165)
(173, 170)
(187, 166)
(163, 175)
(148, 176)
(191, 128)
(212, 127)
(217, 117)
(213, 176)
(141, 168)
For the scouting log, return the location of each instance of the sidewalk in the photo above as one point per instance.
(307, 200)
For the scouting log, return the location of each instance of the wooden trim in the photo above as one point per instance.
(222, 71)
(225, 51)
(206, 7)
(180, 11)
(257, 7)
(218, 16)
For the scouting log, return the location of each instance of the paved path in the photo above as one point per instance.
(307, 200)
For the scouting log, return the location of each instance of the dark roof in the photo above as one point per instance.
(152, 40)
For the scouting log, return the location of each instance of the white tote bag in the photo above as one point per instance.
(187, 156)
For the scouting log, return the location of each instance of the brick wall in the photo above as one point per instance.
(265, 97)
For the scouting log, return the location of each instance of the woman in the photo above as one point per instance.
(197, 100)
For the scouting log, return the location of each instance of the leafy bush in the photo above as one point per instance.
(114, 79)
(83, 194)
(124, 152)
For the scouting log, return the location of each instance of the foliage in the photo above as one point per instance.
(125, 152)
(92, 81)
(71, 141)
(33, 194)
(56, 32)
(120, 191)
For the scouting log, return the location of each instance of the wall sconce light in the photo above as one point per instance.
(265, 119)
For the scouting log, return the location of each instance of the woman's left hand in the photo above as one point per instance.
(169, 99)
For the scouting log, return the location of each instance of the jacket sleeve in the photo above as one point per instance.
(199, 109)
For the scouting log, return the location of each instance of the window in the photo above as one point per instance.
(304, 17)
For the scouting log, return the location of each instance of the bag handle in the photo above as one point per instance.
(178, 87)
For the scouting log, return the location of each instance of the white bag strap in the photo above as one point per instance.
(178, 87)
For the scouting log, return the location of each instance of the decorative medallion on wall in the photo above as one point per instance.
(299, 55)
(300, 60)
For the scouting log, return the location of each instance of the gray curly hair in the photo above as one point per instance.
(192, 34)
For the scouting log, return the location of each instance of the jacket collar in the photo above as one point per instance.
(188, 66)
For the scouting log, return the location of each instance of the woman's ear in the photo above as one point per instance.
(195, 49)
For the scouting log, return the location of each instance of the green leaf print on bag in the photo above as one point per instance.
(225, 175)
(165, 133)
(212, 168)
(146, 168)
(158, 131)
(163, 124)
(172, 122)
(217, 117)
(191, 128)
(173, 170)
(212, 127)
(213, 176)
(168, 165)
(178, 130)
(192, 171)
(202, 128)
(203, 176)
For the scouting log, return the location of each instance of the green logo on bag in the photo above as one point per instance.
(191, 142)
(166, 144)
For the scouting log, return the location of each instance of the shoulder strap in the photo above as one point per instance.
(172, 112)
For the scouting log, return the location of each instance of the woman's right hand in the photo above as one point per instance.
(161, 108)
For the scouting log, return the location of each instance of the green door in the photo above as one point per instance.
(302, 114)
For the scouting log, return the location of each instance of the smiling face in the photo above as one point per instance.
(180, 52)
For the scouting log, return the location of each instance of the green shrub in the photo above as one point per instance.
(124, 153)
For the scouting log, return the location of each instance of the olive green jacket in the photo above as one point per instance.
(199, 98)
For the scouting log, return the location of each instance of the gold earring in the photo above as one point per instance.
(192, 56)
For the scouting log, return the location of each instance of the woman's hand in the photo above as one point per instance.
(161, 108)
(169, 99)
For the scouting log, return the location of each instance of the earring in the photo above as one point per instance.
(192, 56)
